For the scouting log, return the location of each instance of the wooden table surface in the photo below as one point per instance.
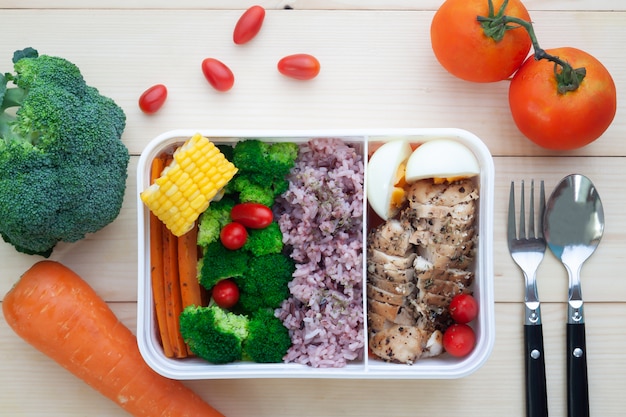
(378, 71)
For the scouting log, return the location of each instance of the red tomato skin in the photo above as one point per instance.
(463, 308)
(218, 74)
(252, 215)
(225, 293)
(248, 25)
(461, 47)
(233, 236)
(562, 121)
(299, 66)
(153, 99)
(459, 340)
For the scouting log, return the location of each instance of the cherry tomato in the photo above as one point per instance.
(225, 293)
(248, 25)
(218, 74)
(463, 308)
(153, 98)
(252, 215)
(299, 66)
(233, 235)
(562, 121)
(462, 48)
(459, 340)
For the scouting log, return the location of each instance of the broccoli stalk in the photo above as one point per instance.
(63, 167)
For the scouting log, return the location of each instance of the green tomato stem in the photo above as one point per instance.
(495, 26)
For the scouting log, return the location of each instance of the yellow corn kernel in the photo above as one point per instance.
(187, 185)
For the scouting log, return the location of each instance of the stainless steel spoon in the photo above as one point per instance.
(573, 226)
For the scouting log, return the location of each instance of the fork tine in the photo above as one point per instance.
(531, 214)
(542, 209)
(522, 211)
(511, 231)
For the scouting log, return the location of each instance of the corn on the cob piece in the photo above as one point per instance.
(186, 186)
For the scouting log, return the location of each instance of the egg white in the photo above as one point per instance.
(381, 175)
(441, 158)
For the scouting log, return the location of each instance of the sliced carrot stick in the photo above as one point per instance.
(156, 266)
(187, 267)
(59, 314)
(173, 300)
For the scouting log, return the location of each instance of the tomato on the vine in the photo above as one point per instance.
(248, 25)
(153, 98)
(225, 293)
(463, 308)
(218, 74)
(459, 340)
(463, 48)
(233, 236)
(299, 66)
(562, 120)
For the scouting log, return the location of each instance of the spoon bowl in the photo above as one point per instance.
(573, 226)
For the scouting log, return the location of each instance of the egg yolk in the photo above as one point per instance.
(397, 193)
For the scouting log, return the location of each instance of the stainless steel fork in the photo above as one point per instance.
(527, 252)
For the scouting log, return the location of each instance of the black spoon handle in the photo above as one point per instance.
(536, 390)
(577, 386)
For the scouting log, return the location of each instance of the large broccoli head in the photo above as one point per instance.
(63, 166)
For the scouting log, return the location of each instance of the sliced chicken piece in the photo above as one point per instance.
(434, 345)
(449, 256)
(390, 273)
(444, 194)
(399, 314)
(398, 343)
(378, 294)
(399, 288)
(425, 237)
(392, 238)
(399, 262)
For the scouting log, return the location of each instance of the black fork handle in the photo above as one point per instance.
(577, 385)
(536, 388)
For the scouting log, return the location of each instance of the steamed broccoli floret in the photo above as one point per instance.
(265, 241)
(63, 167)
(219, 263)
(268, 339)
(265, 282)
(213, 219)
(214, 334)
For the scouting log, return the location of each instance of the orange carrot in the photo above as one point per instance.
(156, 266)
(58, 313)
(187, 268)
(173, 301)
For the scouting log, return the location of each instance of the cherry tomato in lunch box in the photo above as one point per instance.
(462, 47)
(218, 74)
(233, 236)
(463, 308)
(153, 98)
(248, 25)
(562, 120)
(252, 215)
(459, 340)
(225, 293)
(299, 66)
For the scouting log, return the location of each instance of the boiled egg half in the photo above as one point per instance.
(385, 177)
(443, 160)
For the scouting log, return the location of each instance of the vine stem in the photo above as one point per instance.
(495, 25)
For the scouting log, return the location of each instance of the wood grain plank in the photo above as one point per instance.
(379, 70)
(608, 5)
(492, 391)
